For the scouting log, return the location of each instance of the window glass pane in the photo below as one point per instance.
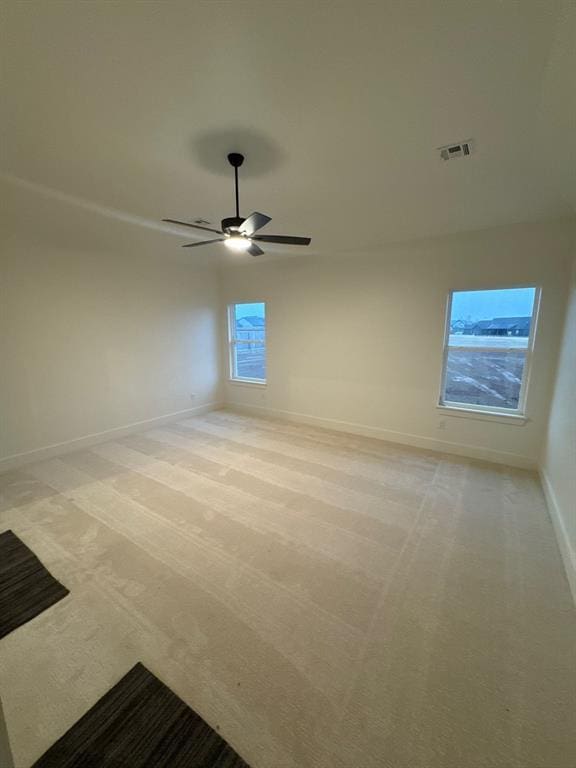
(248, 336)
(487, 346)
(250, 361)
(249, 318)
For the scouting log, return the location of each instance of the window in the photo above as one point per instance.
(247, 337)
(487, 350)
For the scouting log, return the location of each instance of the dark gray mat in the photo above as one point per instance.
(140, 723)
(26, 587)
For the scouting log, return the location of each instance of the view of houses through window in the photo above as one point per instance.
(487, 348)
(247, 335)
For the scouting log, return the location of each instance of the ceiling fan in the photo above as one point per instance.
(238, 233)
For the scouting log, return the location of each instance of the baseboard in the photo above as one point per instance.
(59, 449)
(404, 438)
(566, 548)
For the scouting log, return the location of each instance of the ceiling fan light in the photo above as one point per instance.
(237, 243)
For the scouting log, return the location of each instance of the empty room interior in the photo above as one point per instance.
(288, 384)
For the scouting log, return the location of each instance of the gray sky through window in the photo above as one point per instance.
(484, 305)
(250, 310)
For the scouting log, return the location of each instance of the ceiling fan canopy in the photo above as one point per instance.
(239, 233)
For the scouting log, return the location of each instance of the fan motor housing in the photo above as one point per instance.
(232, 224)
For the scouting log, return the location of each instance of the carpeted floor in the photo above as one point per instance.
(321, 600)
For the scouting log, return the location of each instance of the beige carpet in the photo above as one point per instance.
(322, 600)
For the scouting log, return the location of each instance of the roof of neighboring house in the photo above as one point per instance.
(504, 323)
(466, 324)
(250, 322)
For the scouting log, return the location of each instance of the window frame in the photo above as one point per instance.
(472, 409)
(231, 320)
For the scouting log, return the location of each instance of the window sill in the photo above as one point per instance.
(518, 419)
(247, 382)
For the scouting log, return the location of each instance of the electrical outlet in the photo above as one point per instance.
(442, 424)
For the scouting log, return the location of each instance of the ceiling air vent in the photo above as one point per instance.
(451, 151)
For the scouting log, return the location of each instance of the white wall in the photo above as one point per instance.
(356, 342)
(559, 456)
(94, 341)
(558, 109)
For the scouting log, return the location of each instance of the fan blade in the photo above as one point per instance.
(204, 242)
(283, 239)
(254, 222)
(194, 226)
(254, 250)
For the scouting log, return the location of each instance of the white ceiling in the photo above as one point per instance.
(125, 110)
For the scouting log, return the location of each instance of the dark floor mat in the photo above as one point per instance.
(26, 587)
(140, 723)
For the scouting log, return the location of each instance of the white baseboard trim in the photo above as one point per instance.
(58, 449)
(566, 548)
(415, 441)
